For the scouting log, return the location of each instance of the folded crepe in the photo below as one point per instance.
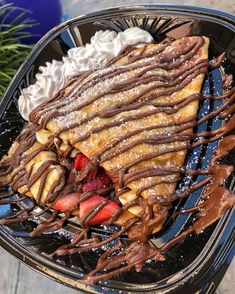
(134, 118)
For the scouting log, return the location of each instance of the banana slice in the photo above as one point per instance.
(43, 136)
(42, 188)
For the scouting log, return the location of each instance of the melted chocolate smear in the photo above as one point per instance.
(74, 246)
(25, 140)
(133, 256)
(51, 225)
(6, 195)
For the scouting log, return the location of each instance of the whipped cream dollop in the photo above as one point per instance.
(104, 46)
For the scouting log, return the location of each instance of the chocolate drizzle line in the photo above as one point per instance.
(71, 249)
(188, 78)
(180, 56)
(216, 62)
(27, 138)
(214, 200)
(6, 195)
(162, 61)
(51, 225)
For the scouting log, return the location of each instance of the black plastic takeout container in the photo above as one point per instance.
(199, 262)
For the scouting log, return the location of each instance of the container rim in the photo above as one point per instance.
(49, 268)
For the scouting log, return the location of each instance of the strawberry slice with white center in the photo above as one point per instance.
(67, 202)
(102, 215)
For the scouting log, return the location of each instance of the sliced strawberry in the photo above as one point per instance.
(80, 161)
(104, 214)
(67, 202)
(101, 181)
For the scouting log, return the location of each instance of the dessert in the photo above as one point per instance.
(104, 46)
(109, 148)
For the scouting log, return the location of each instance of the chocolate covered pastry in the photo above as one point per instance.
(110, 148)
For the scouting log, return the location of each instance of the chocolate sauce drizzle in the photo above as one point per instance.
(214, 200)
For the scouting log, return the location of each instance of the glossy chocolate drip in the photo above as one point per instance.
(6, 168)
(187, 211)
(134, 256)
(109, 253)
(219, 109)
(50, 225)
(216, 62)
(151, 218)
(102, 191)
(217, 199)
(34, 116)
(220, 201)
(92, 213)
(151, 172)
(177, 105)
(8, 201)
(166, 199)
(22, 215)
(176, 239)
(119, 211)
(51, 193)
(68, 189)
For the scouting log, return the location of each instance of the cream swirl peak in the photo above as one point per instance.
(104, 46)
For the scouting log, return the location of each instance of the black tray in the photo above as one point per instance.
(199, 262)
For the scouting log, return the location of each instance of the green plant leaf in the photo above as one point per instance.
(12, 51)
